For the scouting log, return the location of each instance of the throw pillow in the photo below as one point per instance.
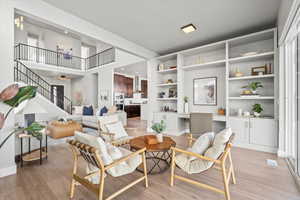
(222, 137)
(78, 110)
(88, 110)
(103, 111)
(118, 129)
(202, 144)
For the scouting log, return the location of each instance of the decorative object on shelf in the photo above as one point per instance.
(151, 139)
(221, 111)
(17, 98)
(238, 73)
(240, 112)
(269, 68)
(252, 53)
(173, 92)
(186, 104)
(159, 128)
(161, 67)
(205, 91)
(104, 95)
(161, 95)
(199, 60)
(169, 81)
(253, 86)
(257, 109)
(246, 114)
(259, 70)
(173, 67)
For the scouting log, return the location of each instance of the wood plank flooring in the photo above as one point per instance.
(51, 181)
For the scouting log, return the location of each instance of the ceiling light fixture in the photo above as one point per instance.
(188, 28)
(19, 22)
(63, 77)
(66, 31)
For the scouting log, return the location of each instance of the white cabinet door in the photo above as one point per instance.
(172, 122)
(263, 132)
(240, 126)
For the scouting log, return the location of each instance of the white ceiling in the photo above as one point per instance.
(156, 24)
(136, 69)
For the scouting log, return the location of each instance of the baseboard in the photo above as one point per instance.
(8, 171)
(281, 154)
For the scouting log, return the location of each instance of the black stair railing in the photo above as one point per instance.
(45, 56)
(27, 76)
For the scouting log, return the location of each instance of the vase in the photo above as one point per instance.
(160, 137)
(186, 107)
(256, 114)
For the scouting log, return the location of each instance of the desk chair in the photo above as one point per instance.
(200, 123)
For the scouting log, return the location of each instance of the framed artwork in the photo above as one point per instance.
(205, 91)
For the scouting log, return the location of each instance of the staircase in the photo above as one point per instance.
(27, 76)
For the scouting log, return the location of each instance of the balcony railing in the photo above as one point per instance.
(46, 56)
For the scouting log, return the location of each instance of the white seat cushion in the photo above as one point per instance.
(78, 110)
(118, 129)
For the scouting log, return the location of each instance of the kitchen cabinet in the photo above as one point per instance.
(144, 88)
(123, 84)
(133, 110)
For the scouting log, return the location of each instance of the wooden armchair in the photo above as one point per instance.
(92, 157)
(112, 137)
(223, 164)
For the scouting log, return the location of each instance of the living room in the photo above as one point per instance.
(121, 100)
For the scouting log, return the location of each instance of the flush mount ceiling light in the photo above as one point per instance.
(63, 77)
(188, 28)
(66, 31)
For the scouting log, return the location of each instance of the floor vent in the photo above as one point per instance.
(272, 163)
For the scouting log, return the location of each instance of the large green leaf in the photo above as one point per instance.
(35, 130)
(25, 93)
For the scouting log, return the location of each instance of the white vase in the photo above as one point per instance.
(186, 107)
(160, 137)
(256, 114)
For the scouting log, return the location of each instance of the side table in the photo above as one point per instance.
(33, 155)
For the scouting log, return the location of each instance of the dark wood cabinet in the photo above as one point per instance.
(124, 85)
(144, 87)
(133, 111)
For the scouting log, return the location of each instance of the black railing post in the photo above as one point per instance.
(19, 49)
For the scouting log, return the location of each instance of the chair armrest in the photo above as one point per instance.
(195, 155)
(125, 158)
(106, 133)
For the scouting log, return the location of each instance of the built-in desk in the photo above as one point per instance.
(216, 117)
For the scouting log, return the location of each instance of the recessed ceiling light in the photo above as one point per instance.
(188, 28)
(66, 31)
(122, 69)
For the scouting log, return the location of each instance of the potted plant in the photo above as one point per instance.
(257, 109)
(186, 104)
(17, 97)
(253, 86)
(159, 128)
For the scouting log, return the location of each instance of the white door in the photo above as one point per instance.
(263, 132)
(240, 127)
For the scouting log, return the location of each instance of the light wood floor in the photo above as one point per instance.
(51, 181)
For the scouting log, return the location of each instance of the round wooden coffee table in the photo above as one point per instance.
(159, 154)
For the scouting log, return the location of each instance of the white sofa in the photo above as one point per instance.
(92, 120)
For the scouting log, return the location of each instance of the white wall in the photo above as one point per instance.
(283, 13)
(7, 153)
(88, 87)
(65, 83)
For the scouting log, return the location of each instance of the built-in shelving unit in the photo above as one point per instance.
(232, 61)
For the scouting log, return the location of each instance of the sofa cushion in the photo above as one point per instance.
(118, 129)
(107, 119)
(88, 110)
(77, 110)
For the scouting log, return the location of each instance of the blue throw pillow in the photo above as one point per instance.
(103, 110)
(88, 110)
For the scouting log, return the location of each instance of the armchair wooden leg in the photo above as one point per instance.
(232, 172)
(190, 139)
(172, 168)
(145, 169)
(100, 196)
(73, 183)
(226, 187)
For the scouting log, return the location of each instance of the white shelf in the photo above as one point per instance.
(168, 71)
(266, 55)
(166, 84)
(252, 77)
(166, 99)
(219, 63)
(253, 98)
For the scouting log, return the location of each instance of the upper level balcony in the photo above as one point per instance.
(29, 53)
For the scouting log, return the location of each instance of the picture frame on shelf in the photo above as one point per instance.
(205, 91)
(262, 70)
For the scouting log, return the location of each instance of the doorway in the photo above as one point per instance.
(57, 95)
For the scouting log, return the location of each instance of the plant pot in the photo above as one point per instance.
(256, 114)
(253, 91)
(186, 107)
(160, 137)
